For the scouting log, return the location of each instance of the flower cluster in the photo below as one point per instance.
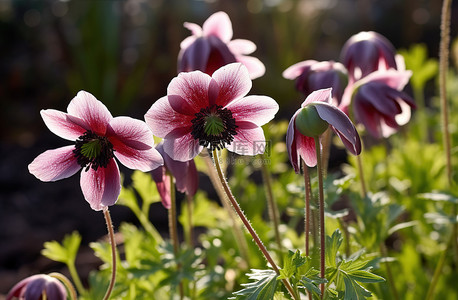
(367, 85)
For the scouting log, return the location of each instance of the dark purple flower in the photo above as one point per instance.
(300, 145)
(311, 75)
(210, 47)
(379, 103)
(185, 174)
(36, 287)
(367, 52)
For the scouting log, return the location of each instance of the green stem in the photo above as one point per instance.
(321, 208)
(308, 195)
(389, 274)
(271, 204)
(172, 215)
(67, 284)
(76, 279)
(438, 271)
(107, 216)
(362, 180)
(190, 235)
(142, 217)
(247, 224)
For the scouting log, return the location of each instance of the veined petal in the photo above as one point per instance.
(323, 95)
(182, 148)
(219, 25)
(101, 188)
(134, 144)
(233, 81)
(163, 119)
(341, 125)
(241, 46)
(93, 112)
(255, 67)
(55, 164)
(62, 124)
(191, 89)
(256, 109)
(306, 148)
(249, 139)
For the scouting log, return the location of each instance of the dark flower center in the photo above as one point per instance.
(93, 151)
(214, 127)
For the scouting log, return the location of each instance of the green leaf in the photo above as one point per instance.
(263, 287)
(332, 246)
(365, 276)
(65, 253)
(292, 262)
(145, 186)
(353, 290)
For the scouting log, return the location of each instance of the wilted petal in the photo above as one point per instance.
(341, 125)
(249, 139)
(255, 109)
(182, 148)
(163, 119)
(218, 25)
(62, 124)
(101, 188)
(233, 82)
(56, 164)
(134, 144)
(93, 112)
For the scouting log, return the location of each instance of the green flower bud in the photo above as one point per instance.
(309, 123)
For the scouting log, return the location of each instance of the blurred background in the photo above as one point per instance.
(125, 54)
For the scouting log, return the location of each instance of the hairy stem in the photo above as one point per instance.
(321, 208)
(106, 213)
(247, 224)
(308, 195)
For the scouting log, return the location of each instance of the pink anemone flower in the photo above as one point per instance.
(312, 75)
(366, 52)
(210, 47)
(323, 115)
(202, 111)
(38, 287)
(98, 138)
(184, 172)
(379, 103)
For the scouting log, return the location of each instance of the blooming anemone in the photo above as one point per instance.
(366, 52)
(311, 75)
(202, 111)
(38, 287)
(379, 103)
(98, 138)
(184, 172)
(210, 47)
(310, 121)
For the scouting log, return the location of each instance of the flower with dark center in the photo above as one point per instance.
(210, 47)
(202, 111)
(98, 138)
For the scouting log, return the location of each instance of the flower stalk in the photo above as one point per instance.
(67, 283)
(308, 195)
(247, 224)
(321, 209)
(107, 216)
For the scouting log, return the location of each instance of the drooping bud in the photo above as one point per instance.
(309, 123)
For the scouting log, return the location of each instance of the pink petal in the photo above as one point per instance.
(249, 139)
(233, 81)
(195, 56)
(368, 116)
(187, 42)
(101, 188)
(163, 185)
(194, 28)
(323, 95)
(297, 69)
(255, 67)
(55, 164)
(134, 144)
(306, 148)
(182, 148)
(189, 91)
(192, 179)
(219, 25)
(93, 112)
(241, 46)
(291, 146)
(393, 78)
(62, 124)
(256, 109)
(341, 125)
(163, 120)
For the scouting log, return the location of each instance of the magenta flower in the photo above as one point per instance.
(185, 174)
(202, 111)
(38, 287)
(316, 115)
(210, 47)
(98, 138)
(379, 103)
(367, 52)
(311, 75)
